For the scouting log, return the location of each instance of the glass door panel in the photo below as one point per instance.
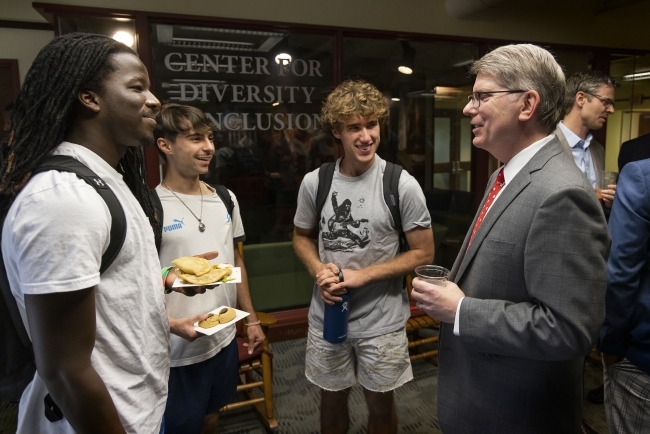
(425, 131)
(263, 92)
(632, 116)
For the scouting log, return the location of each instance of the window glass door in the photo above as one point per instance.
(452, 146)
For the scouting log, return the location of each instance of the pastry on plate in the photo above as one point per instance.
(193, 265)
(224, 315)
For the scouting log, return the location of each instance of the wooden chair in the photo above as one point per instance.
(420, 320)
(255, 373)
(256, 377)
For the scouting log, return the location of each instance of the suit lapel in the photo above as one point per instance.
(463, 248)
(510, 192)
(508, 195)
(597, 156)
(562, 138)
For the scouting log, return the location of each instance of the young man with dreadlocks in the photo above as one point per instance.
(101, 344)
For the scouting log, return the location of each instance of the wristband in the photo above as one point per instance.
(253, 323)
(340, 275)
(164, 273)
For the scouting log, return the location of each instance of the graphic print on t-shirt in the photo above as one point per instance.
(342, 232)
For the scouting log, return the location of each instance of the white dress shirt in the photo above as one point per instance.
(510, 170)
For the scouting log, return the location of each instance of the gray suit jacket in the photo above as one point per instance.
(534, 279)
(596, 149)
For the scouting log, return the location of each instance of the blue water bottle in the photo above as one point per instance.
(335, 325)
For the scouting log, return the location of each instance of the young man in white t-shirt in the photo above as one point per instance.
(101, 342)
(358, 238)
(204, 371)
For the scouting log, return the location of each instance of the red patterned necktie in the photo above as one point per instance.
(496, 188)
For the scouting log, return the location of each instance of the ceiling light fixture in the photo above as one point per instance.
(270, 42)
(214, 41)
(282, 48)
(231, 31)
(124, 37)
(446, 90)
(394, 99)
(408, 59)
(283, 58)
(463, 63)
(637, 76)
(421, 93)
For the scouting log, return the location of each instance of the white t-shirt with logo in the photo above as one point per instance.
(52, 241)
(181, 237)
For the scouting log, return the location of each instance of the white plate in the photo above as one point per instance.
(236, 275)
(239, 314)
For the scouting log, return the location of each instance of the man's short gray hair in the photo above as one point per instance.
(528, 67)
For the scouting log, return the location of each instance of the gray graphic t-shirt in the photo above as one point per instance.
(356, 231)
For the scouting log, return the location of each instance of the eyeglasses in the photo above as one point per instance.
(606, 101)
(476, 97)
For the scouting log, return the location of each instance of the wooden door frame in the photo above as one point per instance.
(12, 64)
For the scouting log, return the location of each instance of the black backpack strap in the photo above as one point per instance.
(160, 216)
(392, 173)
(225, 198)
(325, 176)
(64, 163)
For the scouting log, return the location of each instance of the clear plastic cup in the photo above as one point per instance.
(432, 274)
(603, 180)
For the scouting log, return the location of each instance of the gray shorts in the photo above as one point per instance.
(380, 363)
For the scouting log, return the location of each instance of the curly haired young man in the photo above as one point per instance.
(366, 250)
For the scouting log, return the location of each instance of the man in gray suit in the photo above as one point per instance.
(525, 297)
(588, 101)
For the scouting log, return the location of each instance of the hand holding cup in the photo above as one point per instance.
(434, 294)
(606, 187)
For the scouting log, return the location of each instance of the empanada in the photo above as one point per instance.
(193, 265)
(213, 276)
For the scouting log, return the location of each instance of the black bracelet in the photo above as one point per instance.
(340, 275)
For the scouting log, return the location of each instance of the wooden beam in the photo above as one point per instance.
(30, 25)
